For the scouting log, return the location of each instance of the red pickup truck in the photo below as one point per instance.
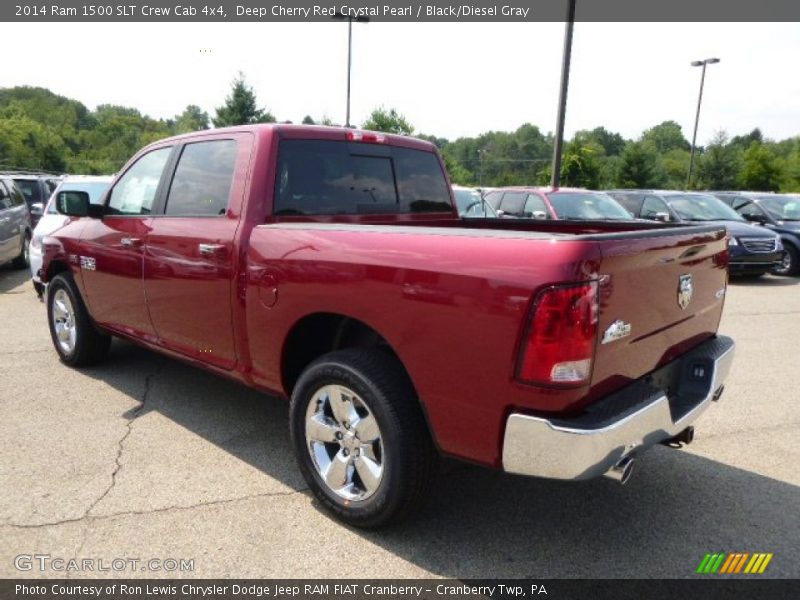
(329, 266)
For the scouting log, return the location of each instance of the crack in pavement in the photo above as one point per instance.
(128, 428)
(90, 518)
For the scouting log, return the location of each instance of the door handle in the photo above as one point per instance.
(130, 242)
(211, 249)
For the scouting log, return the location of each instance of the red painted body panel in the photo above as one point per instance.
(451, 297)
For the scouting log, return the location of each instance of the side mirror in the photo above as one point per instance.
(37, 209)
(500, 213)
(73, 203)
(539, 215)
(661, 216)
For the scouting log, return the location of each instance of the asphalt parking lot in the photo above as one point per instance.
(144, 457)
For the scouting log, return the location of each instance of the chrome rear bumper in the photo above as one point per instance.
(622, 424)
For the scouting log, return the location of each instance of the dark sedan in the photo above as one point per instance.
(777, 212)
(753, 250)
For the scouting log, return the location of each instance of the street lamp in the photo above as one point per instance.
(555, 178)
(698, 63)
(360, 19)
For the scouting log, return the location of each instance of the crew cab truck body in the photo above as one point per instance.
(329, 266)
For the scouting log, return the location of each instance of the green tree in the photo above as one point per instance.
(612, 143)
(761, 169)
(719, 164)
(388, 121)
(638, 167)
(240, 107)
(27, 144)
(193, 118)
(580, 166)
(665, 136)
(307, 120)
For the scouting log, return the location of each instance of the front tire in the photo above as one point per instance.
(791, 262)
(360, 438)
(75, 338)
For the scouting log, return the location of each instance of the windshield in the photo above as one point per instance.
(587, 206)
(95, 190)
(782, 208)
(701, 207)
(471, 204)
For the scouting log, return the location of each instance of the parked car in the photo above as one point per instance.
(777, 212)
(563, 203)
(15, 225)
(36, 188)
(51, 220)
(470, 204)
(754, 250)
(329, 266)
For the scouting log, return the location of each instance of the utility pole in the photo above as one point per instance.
(555, 179)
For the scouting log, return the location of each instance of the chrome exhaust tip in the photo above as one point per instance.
(621, 472)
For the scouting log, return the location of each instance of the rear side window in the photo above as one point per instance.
(135, 191)
(202, 181)
(338, 178)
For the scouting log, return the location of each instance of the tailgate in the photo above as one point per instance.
(666, 289)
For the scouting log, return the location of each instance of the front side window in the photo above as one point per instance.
(535, 207)
(202, 181)
(135, 192)
(513, 203)
(652, 206)
(338, 178)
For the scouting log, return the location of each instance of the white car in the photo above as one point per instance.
(51, 219)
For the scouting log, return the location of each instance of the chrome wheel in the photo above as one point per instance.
(64, 321)
(26, 252)
(344, 442)
(786, 264)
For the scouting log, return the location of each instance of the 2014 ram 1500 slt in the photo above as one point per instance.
(330, 266)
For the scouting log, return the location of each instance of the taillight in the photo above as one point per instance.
(365, 136)
(559, 341)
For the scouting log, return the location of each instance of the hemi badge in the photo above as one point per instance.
(719, 293)
(616, 331)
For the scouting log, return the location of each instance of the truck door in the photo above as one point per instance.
(190, 258)
(112, 248)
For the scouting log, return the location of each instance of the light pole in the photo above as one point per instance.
(698, 63)
(555, 178)
(350, 19)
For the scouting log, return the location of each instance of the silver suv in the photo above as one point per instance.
(15, 225)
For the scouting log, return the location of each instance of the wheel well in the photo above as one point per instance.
(320, 333)
(54, 268)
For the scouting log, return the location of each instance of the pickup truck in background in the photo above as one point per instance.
(329, 266)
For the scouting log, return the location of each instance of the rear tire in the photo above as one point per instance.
(75, 337)
(23, 261)
(360, 437)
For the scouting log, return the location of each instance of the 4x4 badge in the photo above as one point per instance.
(616, 331)
(685, 290)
